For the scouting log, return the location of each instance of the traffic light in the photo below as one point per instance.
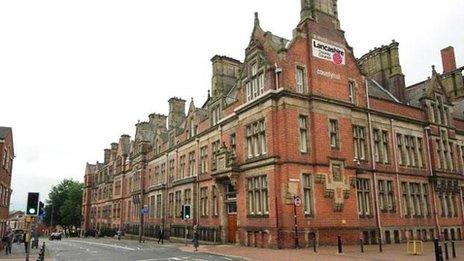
(32, 204)
(41, 208)
(186, 213)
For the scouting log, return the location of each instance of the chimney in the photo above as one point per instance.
(114, 150)
(158, 121)
(176, 112)
(448, 59)
(107, 156)
(124, 142)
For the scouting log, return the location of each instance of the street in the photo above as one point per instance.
(109, 249)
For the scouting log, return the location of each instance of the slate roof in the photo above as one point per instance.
(377, 91)
(4, 131)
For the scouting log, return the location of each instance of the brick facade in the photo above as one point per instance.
(369, 157)
(6, 168)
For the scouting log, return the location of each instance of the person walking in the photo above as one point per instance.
(119, 233)
(8, 240)
(160, 236)
(195, 238)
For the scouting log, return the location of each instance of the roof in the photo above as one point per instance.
(415, 93)
(4, 131)
(376, 90)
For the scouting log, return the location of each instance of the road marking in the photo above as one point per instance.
(101, 244)
(226, 258)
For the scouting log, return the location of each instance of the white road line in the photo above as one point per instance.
(226, 258)
(101, 244)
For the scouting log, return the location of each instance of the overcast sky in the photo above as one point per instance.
(75, 75)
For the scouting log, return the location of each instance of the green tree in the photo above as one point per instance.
(65, 203)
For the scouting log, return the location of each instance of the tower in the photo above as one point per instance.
(325, 11)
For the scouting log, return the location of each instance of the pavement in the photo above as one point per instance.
(113, 250)
(371, 252)
(18, 253)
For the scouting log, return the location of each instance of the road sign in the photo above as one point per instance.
(145, 210)
(297, 201)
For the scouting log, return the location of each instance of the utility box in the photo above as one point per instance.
(415, 247)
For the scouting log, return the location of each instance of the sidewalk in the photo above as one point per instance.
(390, 252)
(17, 253)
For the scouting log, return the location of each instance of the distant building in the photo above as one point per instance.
(17, 220)
(368, 156)
(6, 168)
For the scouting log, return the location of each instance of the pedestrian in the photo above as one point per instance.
(119, 233)
(160, 236)
(195, 238)
(8, 241)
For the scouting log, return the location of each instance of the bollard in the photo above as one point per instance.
(361, 243)
(453, 249)
(446, 251)
(314, 244)
(440, 253)
(339, 239)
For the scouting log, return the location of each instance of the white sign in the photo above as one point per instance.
(328, 52)
(297, 201)
(331, 75)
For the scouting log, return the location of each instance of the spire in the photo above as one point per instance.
(256, 19)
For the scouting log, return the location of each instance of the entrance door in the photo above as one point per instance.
(231, 222)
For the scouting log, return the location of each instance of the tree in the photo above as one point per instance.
(65, 202)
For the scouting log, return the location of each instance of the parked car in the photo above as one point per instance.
(55, 236)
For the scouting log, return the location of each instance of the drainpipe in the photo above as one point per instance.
(432, 191)
(374, 173)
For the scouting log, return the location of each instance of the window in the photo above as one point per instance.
(425, 199)
(303, 134)
(215, 149)
(188, 197)
(360, 145)
(300, 80)
(416, 199)
(152, 207)
(216, 115)
(352, 91)
(233, 144)
(203, 159)
(117, 188)
(178, 203)
(192, 163)
(410, 150)
(377, 145)
(336, 170)
(386, 195)
(159, 207)
(256, 139)
(334, 136)
(308, 194)
(363, 197)
(171, 205)
(171, 168)
(215, 202)
(384, 148)
(163, 173)
(192, 128)
(157, 173)
(204, 201)
(257, 197)
(255, 85)
(405, 198)
(181, 167)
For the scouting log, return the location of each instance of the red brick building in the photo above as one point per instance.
(369, 157)
(6, 168)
